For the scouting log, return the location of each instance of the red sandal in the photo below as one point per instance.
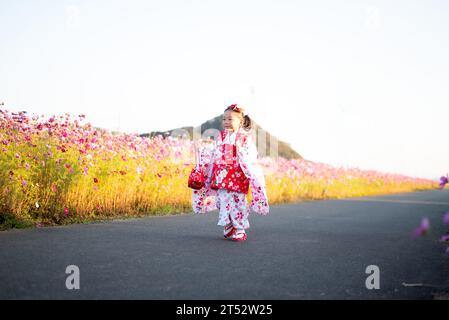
(229, 231)
(239, 236)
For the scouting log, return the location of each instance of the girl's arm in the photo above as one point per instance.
(248, 158)
(204, 199)
(210, 164)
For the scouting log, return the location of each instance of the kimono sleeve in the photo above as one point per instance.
(204, 199)
(248, 158)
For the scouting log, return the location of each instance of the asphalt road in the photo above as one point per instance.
(307, 250)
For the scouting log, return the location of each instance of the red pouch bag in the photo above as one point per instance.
(196, 177)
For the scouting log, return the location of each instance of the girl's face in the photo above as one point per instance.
(232, 120)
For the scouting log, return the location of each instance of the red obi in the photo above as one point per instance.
(227, 173)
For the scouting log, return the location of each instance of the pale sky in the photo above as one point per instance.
(353, 83)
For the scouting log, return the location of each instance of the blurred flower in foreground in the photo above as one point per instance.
(425, 226)
(422, 229)
(443, 181)
(446, 218)
(445, 238)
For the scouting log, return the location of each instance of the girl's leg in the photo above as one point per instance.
(233, 215)
(223, 215)
(239, 216)
(239, 211)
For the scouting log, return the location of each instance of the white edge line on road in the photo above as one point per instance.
(401, 201)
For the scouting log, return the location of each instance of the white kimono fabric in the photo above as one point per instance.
(233, 205)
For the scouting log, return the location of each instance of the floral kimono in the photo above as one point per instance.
(231, 165)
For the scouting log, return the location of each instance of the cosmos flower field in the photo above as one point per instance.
(60, 169)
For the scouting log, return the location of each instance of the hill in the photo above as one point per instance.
(284, 148)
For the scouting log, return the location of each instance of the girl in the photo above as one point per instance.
(231, 165)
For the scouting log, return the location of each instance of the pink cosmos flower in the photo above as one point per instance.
(422, 229)
(66, 211)
(446, 218)
(443, 181)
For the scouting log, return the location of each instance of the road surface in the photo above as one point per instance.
(305, 250)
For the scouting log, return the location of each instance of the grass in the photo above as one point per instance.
(59, 171)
